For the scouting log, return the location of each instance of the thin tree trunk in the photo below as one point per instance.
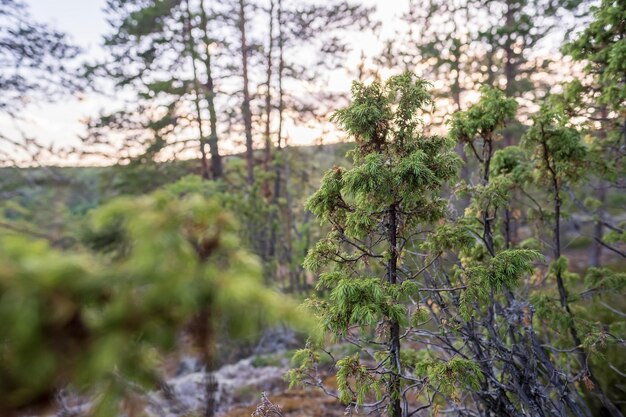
(510, 70)
(268, 100)
(245, 108)
(456, 95)
(598, 227)
(487, 217)
(594, 385)
(267, 192)
(204, 341)
(216, 159)
(192, 51)
(284, 169)
(202, 327)
(394, 337)
(281, 104)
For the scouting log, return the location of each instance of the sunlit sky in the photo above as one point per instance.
(84, 21)
(61, 123)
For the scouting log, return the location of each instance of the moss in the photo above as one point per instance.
(246, 394)
(261, 361)
(579, 242)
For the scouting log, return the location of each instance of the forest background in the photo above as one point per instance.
(480, 206)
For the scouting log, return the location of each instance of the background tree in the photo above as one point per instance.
(492, 321)
(461, 45)
(600, 98)
(37, 65)
(35, 59)
(302, 99)
(560, 159)
(438, 42)
(162, 50)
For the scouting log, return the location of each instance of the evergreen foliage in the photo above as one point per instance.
(498, 292)
(376, 208)
(452, 297)
(599, 99)
(102, 320)
(602, 46)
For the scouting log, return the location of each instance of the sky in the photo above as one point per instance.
(60, 123)
(84, 20)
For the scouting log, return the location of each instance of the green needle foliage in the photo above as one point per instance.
(101, 320)
(602, 45)
(599, 99)
(449, 312)
(556, 147)
(481, 310)
(376, 210)
(560, 159)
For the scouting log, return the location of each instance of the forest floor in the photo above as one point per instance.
(297, 403)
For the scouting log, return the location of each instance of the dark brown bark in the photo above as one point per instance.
(203, 333)
(594, 385)
(487, 217)
(394, 386)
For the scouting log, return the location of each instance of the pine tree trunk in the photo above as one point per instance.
(245, 108)
(598, 227)
(267, 192)
(510, 70)
(594, 385)
(203, 333)
(283, 171)
(216, 158)
(268, 101)
(281, 104)
(192, 51)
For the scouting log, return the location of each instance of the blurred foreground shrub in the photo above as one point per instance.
(100, 319)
